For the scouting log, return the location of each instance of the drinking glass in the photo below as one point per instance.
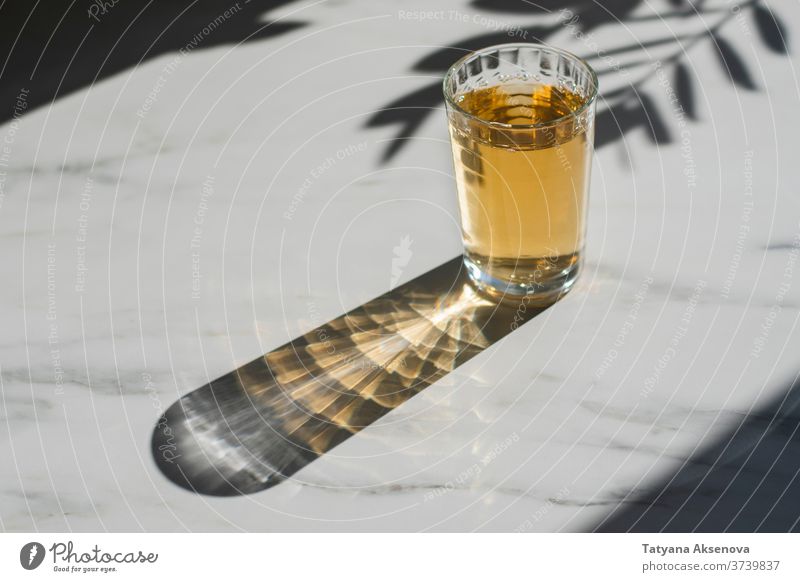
(521, 120)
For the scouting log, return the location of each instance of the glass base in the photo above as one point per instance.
(542, 281)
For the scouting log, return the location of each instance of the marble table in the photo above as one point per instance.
(249, 175)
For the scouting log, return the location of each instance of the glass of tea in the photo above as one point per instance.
(521, 120)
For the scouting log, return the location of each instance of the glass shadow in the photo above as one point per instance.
(257, 425)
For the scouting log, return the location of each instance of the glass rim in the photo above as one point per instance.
(595, 85)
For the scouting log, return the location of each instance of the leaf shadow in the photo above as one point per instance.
(621, 110)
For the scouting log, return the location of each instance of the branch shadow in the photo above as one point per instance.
(410, 111)
(620, 110)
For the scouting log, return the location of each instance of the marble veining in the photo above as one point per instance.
(131, 284)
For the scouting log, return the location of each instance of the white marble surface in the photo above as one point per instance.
(688, 276)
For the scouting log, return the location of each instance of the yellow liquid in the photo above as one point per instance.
(522, 191)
